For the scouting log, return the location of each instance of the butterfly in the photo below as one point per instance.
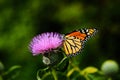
(73, 42)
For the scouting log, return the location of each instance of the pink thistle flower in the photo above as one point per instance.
(45, 42)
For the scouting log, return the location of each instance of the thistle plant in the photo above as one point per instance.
(49, 45)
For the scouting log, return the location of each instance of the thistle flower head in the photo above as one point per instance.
(45, 42)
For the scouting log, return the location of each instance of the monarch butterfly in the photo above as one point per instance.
(73, 42)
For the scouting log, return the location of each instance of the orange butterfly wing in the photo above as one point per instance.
(78, 35)
(72, 45)
(73, 42)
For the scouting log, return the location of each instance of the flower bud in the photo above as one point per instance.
(52, 58)
(110, 67)
(46, 60)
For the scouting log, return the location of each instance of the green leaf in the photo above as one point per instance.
(89, 70)
(12, 73)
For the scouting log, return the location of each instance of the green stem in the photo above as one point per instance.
(62, 60)
(54, 74)
(45, 75)
(38, 77)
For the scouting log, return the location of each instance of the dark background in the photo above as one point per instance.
(21, 20)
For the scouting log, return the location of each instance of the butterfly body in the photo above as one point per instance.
(74, 41)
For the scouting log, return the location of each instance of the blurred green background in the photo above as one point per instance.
(21, 20)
